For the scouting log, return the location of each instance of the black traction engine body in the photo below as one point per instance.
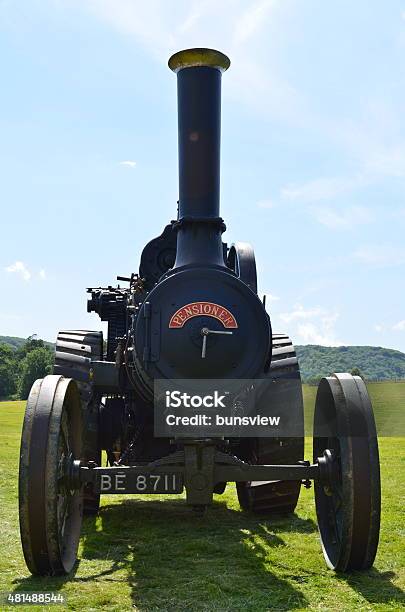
(189, 318)
(189, 282)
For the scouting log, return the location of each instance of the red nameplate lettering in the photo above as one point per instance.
(202, 309)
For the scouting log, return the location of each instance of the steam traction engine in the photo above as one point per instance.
(191, 314)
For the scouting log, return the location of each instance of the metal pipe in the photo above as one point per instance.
(199, 74)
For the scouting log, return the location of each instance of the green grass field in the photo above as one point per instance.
(153, 553)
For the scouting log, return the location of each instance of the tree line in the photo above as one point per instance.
(20, 367)
(23, 361)
(373, 363)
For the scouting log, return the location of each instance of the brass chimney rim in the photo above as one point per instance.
(191, 58)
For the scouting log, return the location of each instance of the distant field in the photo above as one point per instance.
(153, 554)
(388, 399)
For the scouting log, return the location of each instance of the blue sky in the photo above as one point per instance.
(313, 155)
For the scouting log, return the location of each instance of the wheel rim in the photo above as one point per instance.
(50, 514)
(348, 507)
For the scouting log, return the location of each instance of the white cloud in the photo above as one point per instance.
(251, 20)
(387, 161)
(162, 27)
(42, 274)
(320, 330)
(271, 298)
(19, 268)
(196, 12)
(400, 326)
(148, 22)
(380, 255)
(193, 24)
(256, 35)
(129, 163)
(399, 213)
(309, 333)
(324, 188)
(342, 219)
(266, 204)
(300, 313)
(262, 89)
(248, 35)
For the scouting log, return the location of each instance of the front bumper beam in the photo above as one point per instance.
(197, 467)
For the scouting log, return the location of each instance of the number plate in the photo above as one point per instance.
(125, 482)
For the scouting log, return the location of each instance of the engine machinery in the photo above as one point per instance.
(191, 313)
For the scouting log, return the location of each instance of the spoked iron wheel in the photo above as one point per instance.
(50, 512)
(347, 497)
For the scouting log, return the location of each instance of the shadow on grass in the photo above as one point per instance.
(178, 560)
(376, 587)
(174, 559)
